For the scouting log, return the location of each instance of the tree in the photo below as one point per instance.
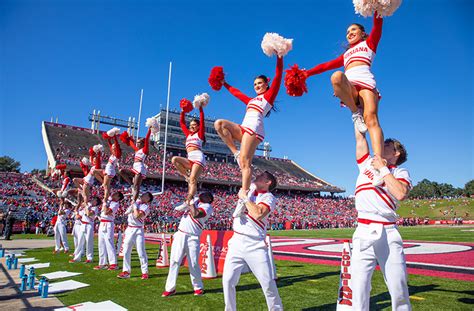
(430, 189)
(8, 164)
(36, 171)
(469, 188)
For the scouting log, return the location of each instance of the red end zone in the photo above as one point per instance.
(440, 259)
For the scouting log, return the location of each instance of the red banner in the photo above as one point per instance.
(219, 240)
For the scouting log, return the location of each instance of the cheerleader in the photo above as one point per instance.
(251, 132)
(192, 166)
(110, 168)
(66, 183)
(356, 86)
(88, 166)
(139, 169)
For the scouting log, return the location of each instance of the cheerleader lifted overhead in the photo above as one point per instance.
(192, 166)
(139, 170)
(89, 167)
(112, 164)
(251, 132)
(356, 86)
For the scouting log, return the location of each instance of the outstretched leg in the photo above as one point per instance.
(370, 102)
(196, 171)
(125, 174)
(137, 182)
(106, 186)
(247, 151)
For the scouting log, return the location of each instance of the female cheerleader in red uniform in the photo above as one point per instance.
(139, 169)
(192, 166)
(356, 87)
(84, 184)
(110, 168)
(251, 132)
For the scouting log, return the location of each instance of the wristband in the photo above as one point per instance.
(384, 171)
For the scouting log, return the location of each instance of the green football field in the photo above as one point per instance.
(302, 286)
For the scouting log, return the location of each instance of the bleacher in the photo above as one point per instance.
(68, 144)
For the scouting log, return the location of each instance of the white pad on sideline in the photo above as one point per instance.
(38, 265)
(59, 275)
(64, 286)
(91, 306)
(25, 260)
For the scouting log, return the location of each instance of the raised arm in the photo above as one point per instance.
(146, 147)
(376, 33)
(98, 161)
(128, 140)
(84, 168)
(237, 93)
(330, 65)
(272, 92)
(202, 124)
(182, 123)
(118, 150)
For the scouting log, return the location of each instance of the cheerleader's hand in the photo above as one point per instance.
(243, 194)
(378, 162)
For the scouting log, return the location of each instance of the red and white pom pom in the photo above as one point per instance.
(295, 81)
(273, 43)
(113, 132)
(98, 148)
(86, 161)
(186, 105)
(382, 7)
(216, 78)
(125, 138)
(153, 124)
(201, 100)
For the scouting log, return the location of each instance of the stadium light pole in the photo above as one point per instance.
(139, 113)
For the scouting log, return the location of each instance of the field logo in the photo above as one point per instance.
(344, 301)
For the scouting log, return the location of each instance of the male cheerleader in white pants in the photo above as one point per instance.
(186, 241)
(86, 235)
(60, 233)
(376, 239)
(107, 255)
(76, 229)
(135, 235)
(247, 245)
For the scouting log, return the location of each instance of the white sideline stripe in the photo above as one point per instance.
(408, 262)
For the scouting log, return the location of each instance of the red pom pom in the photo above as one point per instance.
(186, 105)
(216, 78)
(91, 152)
(295, 81)
(125, 138)
(105, 136)
(61, 166)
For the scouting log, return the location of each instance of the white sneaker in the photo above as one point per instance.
(239, 209)
(237, 158)
(377, 180)
(359, 123)
(182, 207)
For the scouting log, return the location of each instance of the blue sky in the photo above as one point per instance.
(66, 58)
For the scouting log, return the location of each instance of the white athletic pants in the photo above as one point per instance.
(244, 250)
(387, 251)
(86, 237)
(189, 245)
(134, 236)
(60, 235)
(107, 253)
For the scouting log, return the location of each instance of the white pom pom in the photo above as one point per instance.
(273, 43)
(201, 100)
(113, 132)
(153, 124)
(383, 7)
(387, 7)
(86, 161)
(98, 148)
